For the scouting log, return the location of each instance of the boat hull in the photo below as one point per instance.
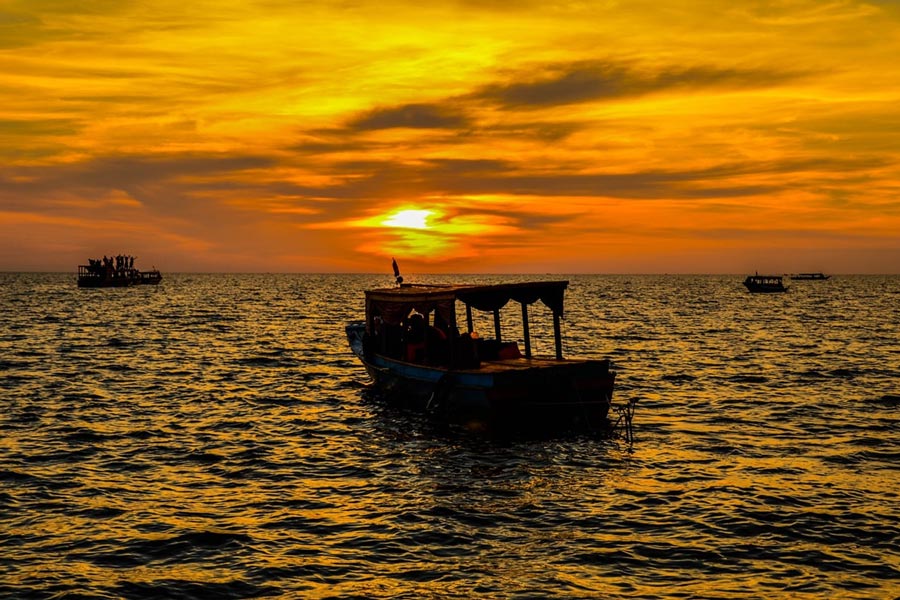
(112, 279)
(810, 277)
(765, 289)
(520, 394)
(104, 282)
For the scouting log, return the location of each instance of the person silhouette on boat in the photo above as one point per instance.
(437, 341)
(415, 338)
(415, 328)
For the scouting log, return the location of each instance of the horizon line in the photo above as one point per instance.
(463, 273)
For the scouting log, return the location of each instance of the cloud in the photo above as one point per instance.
(25, 23)
(175, 186)
(123, 171)
(414, 116)
(357, 137)
(588, 81)
(375, 179)
(39, 127)
(18, 29)
(319, 146)
(539, 131)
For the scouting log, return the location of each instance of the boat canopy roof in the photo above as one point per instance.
(395, 304)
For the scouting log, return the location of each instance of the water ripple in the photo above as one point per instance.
(213, 437)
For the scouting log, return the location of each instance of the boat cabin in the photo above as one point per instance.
(765, 283)
(418, 323)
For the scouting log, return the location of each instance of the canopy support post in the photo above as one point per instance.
(557, 335)
(497, 324)
(469, 324)
(452, 336)
(525, 328)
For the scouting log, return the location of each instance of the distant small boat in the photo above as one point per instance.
(115, 272)
(810, 277)
(765, 284)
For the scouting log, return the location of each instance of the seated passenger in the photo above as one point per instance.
(465, 351)
(444, 326)
(437, 346)
(415, 328)
(414, 336)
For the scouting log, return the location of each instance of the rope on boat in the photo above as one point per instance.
(440, 393)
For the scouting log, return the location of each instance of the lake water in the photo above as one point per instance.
(213, 437)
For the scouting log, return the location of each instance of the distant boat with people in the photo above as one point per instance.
(115, 271)
(765, 284)
(810, 277)
(415, 354)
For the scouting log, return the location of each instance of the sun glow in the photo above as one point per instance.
(409, 219)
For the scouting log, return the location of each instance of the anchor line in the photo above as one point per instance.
(626, 418)
(439, 392)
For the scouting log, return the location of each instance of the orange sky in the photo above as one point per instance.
(468, 136)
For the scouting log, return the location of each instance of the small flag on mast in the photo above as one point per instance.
(396, 271)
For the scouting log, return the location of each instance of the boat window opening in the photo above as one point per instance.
(532, 338)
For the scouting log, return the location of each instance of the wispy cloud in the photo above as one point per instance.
(415, 116)
(594, 81)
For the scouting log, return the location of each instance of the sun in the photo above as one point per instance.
(409, 219)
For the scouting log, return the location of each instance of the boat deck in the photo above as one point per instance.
(516, 364)
(507, 365)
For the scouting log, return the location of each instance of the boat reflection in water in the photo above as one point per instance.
(411, 347)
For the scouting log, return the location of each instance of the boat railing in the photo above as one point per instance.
(87, 271)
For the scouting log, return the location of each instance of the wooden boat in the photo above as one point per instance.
(810, 277)
(765, 284)
(100, 275)
(411, 348)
